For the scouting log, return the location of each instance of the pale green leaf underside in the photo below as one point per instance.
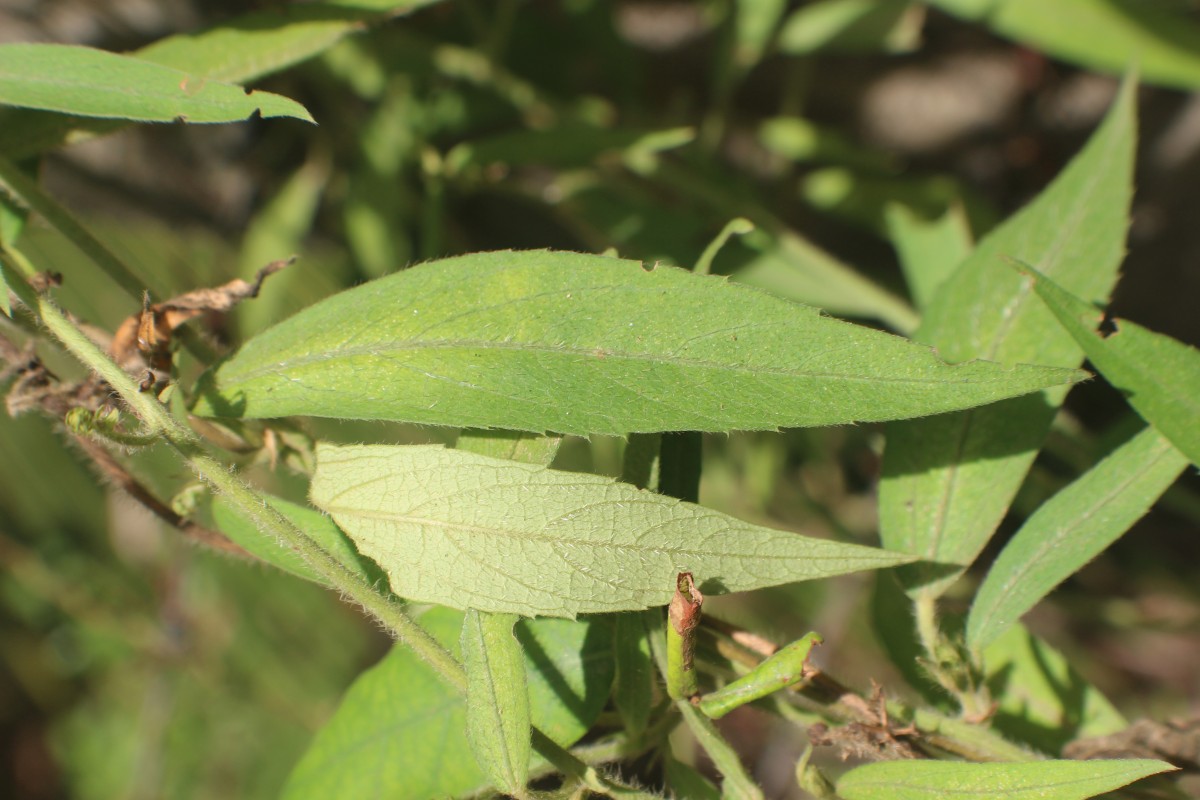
(1160, 376)
(468, 531)
(95, 83)
(573, 343)
(400, 730)
(1034, 780)
(1071, 529)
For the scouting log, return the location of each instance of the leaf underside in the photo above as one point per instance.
(467, 531)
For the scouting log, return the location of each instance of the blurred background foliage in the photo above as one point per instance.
(135, 665)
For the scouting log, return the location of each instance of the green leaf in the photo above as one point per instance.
(1034, 780)
(948, 481)
(929, 249)
(468, 531)
(735, 781)
(1160, 376)
(512, 445)
(1071, 529)
(633, 692)
(497, 699)
(1106, 35)
(400, 730)
(1042, 701)
(93, 83)
(241, 50)
(754, 23)
(314, 524)
(575, 343)
(852, 26)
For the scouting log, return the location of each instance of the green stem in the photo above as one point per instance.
(60, 218)
(246, 500)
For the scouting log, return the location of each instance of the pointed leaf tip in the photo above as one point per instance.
(467, 531)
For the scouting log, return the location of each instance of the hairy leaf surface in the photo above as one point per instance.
(1032, 780)
(546, 341)
(467, 531)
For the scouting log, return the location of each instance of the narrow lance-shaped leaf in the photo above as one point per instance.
(1032, 780)
(948, 480)
(497, 699)
(95, 83)
(1071, 529)
(1160, 376)
(468, 531)
(543, 341)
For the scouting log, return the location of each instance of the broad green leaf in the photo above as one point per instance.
(1107, 35)
(1071, 529)
(400, 731)
(468, 531)
(929, 249)
(1033, 780)
(633, 691)
(241, 50)
(948, 481)
(1042, 701)
(852, 26)
(1160, 376)
(497, 699)
(543, 341)
(314, 524)
(94, 83)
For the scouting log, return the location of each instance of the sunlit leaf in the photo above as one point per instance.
(1032, 780)
(948, 480)
(94, 83)
(497, 699)
(468, 531)
(1160, 376)
(1072, 528)
(545, 341)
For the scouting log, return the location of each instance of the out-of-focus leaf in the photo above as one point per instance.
(792, 267)
(1032, 780)
(94, 83)
(948, 481)
(801, 140)
(1041, 699)
(572, 343)
(754, 22)
(1159, 375)
(314, 524)
(1107, 35)
(562, 148)
(929, 249)
(1072, 528)
(467, 531)
(497, 699)
(400, 730)
(239, 51)
(278, 231)
(854, 26)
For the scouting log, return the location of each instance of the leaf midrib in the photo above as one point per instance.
(382, 348)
